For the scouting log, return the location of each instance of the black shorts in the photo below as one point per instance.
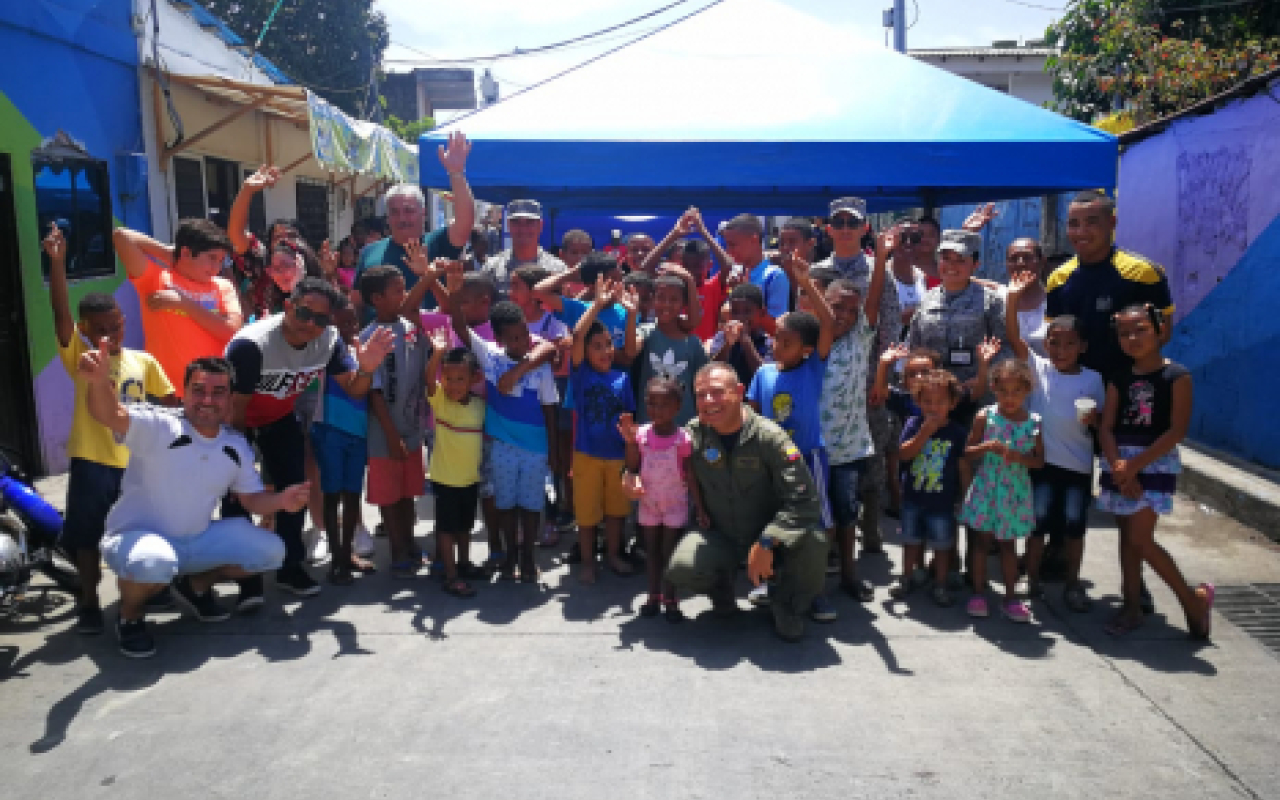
(92, 489)
(455, 507)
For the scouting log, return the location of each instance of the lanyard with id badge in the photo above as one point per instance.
(959, 352)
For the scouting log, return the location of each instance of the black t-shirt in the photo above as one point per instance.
(1093, 292)
(1146, 403)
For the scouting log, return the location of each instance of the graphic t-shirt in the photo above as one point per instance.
(138, 378)
(931, 480)
(455, 458)
(1068, 443)
(677, 359)
(176, 477)
(613, 318)
(598, 398)
(173, 337)
(515, 418)
(387, 252)
(790, 398)
(843, 406)
(1146, 403)
(401, 378)
(275, 372)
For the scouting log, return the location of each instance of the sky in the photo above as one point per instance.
(486, 27)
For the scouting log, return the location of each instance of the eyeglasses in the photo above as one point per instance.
(840, 223)
(317, 318)
(1024, 258)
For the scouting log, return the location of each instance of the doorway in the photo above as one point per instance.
(18, 431)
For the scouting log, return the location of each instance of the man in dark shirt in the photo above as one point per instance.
(1101, 280)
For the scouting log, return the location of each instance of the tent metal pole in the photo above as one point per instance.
(900, 25)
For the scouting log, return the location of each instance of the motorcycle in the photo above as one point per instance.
(30, 533)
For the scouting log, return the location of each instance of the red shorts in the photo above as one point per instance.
(391, 481)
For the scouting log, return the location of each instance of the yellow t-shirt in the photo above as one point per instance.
(136, 374)
(455, 460)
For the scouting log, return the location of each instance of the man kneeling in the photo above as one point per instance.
(180, 467)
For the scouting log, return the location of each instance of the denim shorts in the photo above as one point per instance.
(1062, 499)
(341, 457)
(92, 489)
(935, 529)
(519, 477)
(842, 491)
(149, 557)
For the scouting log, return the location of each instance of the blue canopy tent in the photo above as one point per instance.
(751, 105)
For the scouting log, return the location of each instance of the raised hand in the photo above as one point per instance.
(980, 217)
(295, 497)
(55, 244)
(440, 339)
(895, 352)
(1019, 281)
(328, 258)
(796, 267)
(95, 365)
(989, 348)
(369, 355)
(415, 258)
(628, 298)
(452, 276)
(732, 333)
(887, 243)
(264, 178)
(627, 427)
(453, 154)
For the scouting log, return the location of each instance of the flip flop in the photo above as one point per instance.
(1210, 591)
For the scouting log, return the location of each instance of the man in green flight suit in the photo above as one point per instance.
(754, 498)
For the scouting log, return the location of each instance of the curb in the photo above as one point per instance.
(1245, 492)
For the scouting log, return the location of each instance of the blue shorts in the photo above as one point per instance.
(341, 457)
(149, 557)
(843, 491)
(1062, 499)
(924, 526)
(519, 477)
(92, 489)
(816, 460)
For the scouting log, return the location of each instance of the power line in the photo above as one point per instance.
(434, 61)
(527, 51)
(592, 60)
(1035, 5)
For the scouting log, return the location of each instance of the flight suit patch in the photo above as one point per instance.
(747, 462)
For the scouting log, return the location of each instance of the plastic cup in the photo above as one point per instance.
(1084, 407)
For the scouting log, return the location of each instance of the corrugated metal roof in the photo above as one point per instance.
(230, 38)
(1246, 88)
(985, 52)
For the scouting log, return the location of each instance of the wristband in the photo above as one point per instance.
(459, 172)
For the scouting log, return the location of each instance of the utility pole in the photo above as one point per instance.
(896, 18)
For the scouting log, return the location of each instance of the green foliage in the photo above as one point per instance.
(1157, 61)
(330, 46)
(409, 131)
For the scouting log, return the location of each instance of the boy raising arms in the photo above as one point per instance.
(97, 459)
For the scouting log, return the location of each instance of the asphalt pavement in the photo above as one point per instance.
(393, 689)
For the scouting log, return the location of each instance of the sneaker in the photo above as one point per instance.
(203, 604)
(759, 596)
(135, 641)
(319, 549)
(955, 581)
(565, 521)
(900, 589)
(919, 578)
(297, 581)
(1075, 599)
(942, 597)
(821, 610)
(977, 607)
(89, 621)
(363, 545)
(1016, 611)
(250, 599)
(160, 601)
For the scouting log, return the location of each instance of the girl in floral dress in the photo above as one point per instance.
(1006, 441)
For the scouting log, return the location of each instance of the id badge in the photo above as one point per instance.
(959, 357)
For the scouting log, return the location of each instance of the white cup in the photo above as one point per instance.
(1084, 407)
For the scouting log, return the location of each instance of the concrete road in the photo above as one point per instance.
(393, 689)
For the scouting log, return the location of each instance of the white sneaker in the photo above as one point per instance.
(319, 549)
(364, 546)
(759, 596)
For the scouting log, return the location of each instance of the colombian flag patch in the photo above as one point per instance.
(791, 452)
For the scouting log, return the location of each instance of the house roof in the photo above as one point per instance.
(983, 52)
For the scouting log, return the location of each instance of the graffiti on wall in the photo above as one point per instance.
(1213, 214)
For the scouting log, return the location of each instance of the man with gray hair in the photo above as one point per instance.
(744, 242)
(407, 217)
(847, 225)
(524, 223)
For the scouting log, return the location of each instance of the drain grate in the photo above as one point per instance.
(1255, 609)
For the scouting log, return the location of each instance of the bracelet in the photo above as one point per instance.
(458, 172)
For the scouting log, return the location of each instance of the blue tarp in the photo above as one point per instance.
(754, 105)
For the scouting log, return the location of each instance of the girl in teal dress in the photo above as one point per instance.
(1006, 443)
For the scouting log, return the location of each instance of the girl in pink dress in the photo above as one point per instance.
(657, 452)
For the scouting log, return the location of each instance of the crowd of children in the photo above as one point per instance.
(574, 378)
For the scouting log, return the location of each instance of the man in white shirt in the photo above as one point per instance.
(180, 467)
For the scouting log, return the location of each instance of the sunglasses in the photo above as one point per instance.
(840, 223)
(317, 318)
(1020, 258)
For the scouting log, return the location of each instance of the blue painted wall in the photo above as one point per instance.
(1016, 219)
(1230, 342)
